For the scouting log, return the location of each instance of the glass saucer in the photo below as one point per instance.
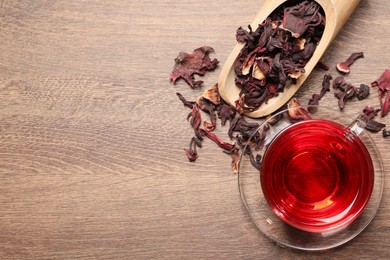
(270, 224)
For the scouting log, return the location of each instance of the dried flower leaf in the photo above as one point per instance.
(341, 84)
(195, 117)
(383, 84)
(385, 133)
(255, 160)
(208, 107)
(374, 126)
(370, 112)
(212, 94)
(363, 92)
(325, 88)
(297, 19)
(347, 91)
(235, 155)
(225, 113)
(243, 35)
(189, 104)
(344, 67)
(213, 137)
(297, 113)
(187, 65)
(191, 152)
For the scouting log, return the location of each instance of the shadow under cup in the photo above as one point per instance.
(320, 181)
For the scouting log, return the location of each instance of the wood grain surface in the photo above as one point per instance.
(92, 134)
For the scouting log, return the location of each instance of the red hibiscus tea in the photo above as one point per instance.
(317, 175)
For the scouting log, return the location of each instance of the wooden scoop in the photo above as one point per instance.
(336, 14)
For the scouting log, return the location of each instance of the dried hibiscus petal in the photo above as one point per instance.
(191, 152)
(383, 84)
(213, 137)
(297, 19)
(342, 97)
(374, 126)
(195, 117)
(341, 84)
(243, 35)
(347, 91)
(212, 94)
(363, 92)
(297, 113)
(199, 62)
(235, 155)
(189, 104)
(239, 124)
(370, 112)
(385, 133)
(225, 113)
(344, 67)
(325, 88)
(207, 106)
(255, 160)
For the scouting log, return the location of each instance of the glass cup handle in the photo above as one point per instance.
(357, 126)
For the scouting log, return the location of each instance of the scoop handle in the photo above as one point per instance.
(337, 13)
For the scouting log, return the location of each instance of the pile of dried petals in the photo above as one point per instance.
(276, 52)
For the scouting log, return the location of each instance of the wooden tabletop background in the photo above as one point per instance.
(92, 134)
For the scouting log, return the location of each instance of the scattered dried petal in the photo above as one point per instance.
(213, 137)
(225, 113)
(374, 126)
(212, 94)
(325, 88)
(341, 84)
(296, 112)
(347, 91)
(314, 101)
(235, 154)
(344, 67)
(243, 35)
(383, 84)
(186, 65)
(385, 133)
(274, 119)
(342, 97)
(191, 152)
(195, 117)
(239, 124)
(255, 160)
(189, 104)
(297, 19)
(363, 92)
(370, 112)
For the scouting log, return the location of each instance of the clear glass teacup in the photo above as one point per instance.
(320, 180)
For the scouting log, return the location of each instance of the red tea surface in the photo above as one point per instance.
(317, 175)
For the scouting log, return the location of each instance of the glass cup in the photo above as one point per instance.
(320, 181)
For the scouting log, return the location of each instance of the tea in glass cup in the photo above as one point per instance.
(317, 175)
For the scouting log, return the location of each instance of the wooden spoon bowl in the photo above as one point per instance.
(336, 14)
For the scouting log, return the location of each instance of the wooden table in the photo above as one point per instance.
(92, 133)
